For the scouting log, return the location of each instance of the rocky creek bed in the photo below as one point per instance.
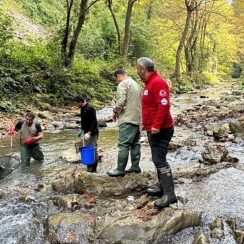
(59, 202)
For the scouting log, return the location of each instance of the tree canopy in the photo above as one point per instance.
(77, 42)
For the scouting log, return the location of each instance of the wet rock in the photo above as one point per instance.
(44, 115)
(2, 193)
(26, 198)
(74, 201)
(102, 123)
(68, 182)
(71, 228)
(70, 156)
(239, 236)
(190, 142)
(101, 184)
(217, 228)
(56, 125)
(136, 227)
(237, 233)
(173, 146)
(201, 238)
(183, 200)
(237, 93)
(237, 107)
(71, 126)
(237, 127)
(214, 154)
(198, 171)
(219, 132)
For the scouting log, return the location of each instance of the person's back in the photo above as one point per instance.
(131, 112)
(127, 110)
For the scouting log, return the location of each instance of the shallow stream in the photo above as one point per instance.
(24, 210)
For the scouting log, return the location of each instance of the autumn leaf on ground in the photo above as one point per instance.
(71, 236)
(146, 213)
(89, 198)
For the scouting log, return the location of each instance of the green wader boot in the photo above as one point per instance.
(119, 171)
(135, 155)
(127, 134)
(167, 184)
(156, 191)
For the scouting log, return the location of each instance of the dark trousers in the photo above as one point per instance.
(159, 146)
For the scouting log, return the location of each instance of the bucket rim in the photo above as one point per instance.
(87, 147)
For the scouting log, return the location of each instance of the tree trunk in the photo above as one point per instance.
(189, 46)
(181, 45)
(81, 20)
(191, 6)
(127, 28)
(109, 4)
(64, 42)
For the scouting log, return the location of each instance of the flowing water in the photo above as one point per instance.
(24, 208)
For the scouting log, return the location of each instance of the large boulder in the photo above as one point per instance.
(71, 228)
(136, 229)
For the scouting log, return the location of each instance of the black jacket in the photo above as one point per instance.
(89, 119)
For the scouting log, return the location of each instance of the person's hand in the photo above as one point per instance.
(87, 136)
(154, 131)
(29, 141)
(11, 131)
(143, 128)
(80, 133)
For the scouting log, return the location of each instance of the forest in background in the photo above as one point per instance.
(51, 50)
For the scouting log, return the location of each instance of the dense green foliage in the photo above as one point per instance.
(31, 64)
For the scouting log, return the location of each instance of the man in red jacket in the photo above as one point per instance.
(158, 122)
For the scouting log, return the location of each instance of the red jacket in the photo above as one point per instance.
(156, 103)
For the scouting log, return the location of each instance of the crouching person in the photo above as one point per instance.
(30, 135)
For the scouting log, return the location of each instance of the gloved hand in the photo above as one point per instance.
(29, 141)
(87, 136)
(11, 131)
(80, 133)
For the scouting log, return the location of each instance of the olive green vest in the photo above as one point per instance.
(27, 131)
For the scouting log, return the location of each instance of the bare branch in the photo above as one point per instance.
(91, 5)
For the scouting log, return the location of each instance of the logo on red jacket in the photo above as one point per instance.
(145, 93)
(162, 93)
(164, 101)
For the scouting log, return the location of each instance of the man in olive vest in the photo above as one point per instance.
(128, 112)
(30, 134)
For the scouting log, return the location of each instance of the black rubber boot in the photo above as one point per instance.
(155, 191)
(92, 168)
(167, 184)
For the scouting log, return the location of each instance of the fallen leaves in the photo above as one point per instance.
(71, 236)
(146, 213)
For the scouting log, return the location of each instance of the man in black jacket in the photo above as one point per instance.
(89, 126)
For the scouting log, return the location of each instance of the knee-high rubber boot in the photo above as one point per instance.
(156, 191)
(135, 155)
(167, 183)
(119, 171)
